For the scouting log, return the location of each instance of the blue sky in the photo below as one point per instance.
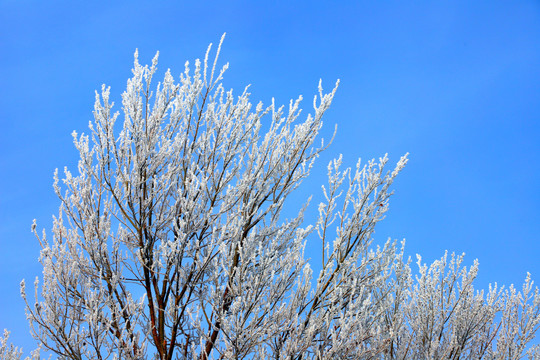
(455, 83)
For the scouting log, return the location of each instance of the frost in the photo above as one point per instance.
(170, 243)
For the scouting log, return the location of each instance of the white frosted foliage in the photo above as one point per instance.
(170, 243)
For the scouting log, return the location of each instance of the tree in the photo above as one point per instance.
(170, 243)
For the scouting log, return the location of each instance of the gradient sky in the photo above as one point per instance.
(455, 83)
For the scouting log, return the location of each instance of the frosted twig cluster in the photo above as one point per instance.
(170, 243)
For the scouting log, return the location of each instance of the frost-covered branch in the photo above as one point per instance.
(170, 243)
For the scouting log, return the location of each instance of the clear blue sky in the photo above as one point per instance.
(455, 83)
